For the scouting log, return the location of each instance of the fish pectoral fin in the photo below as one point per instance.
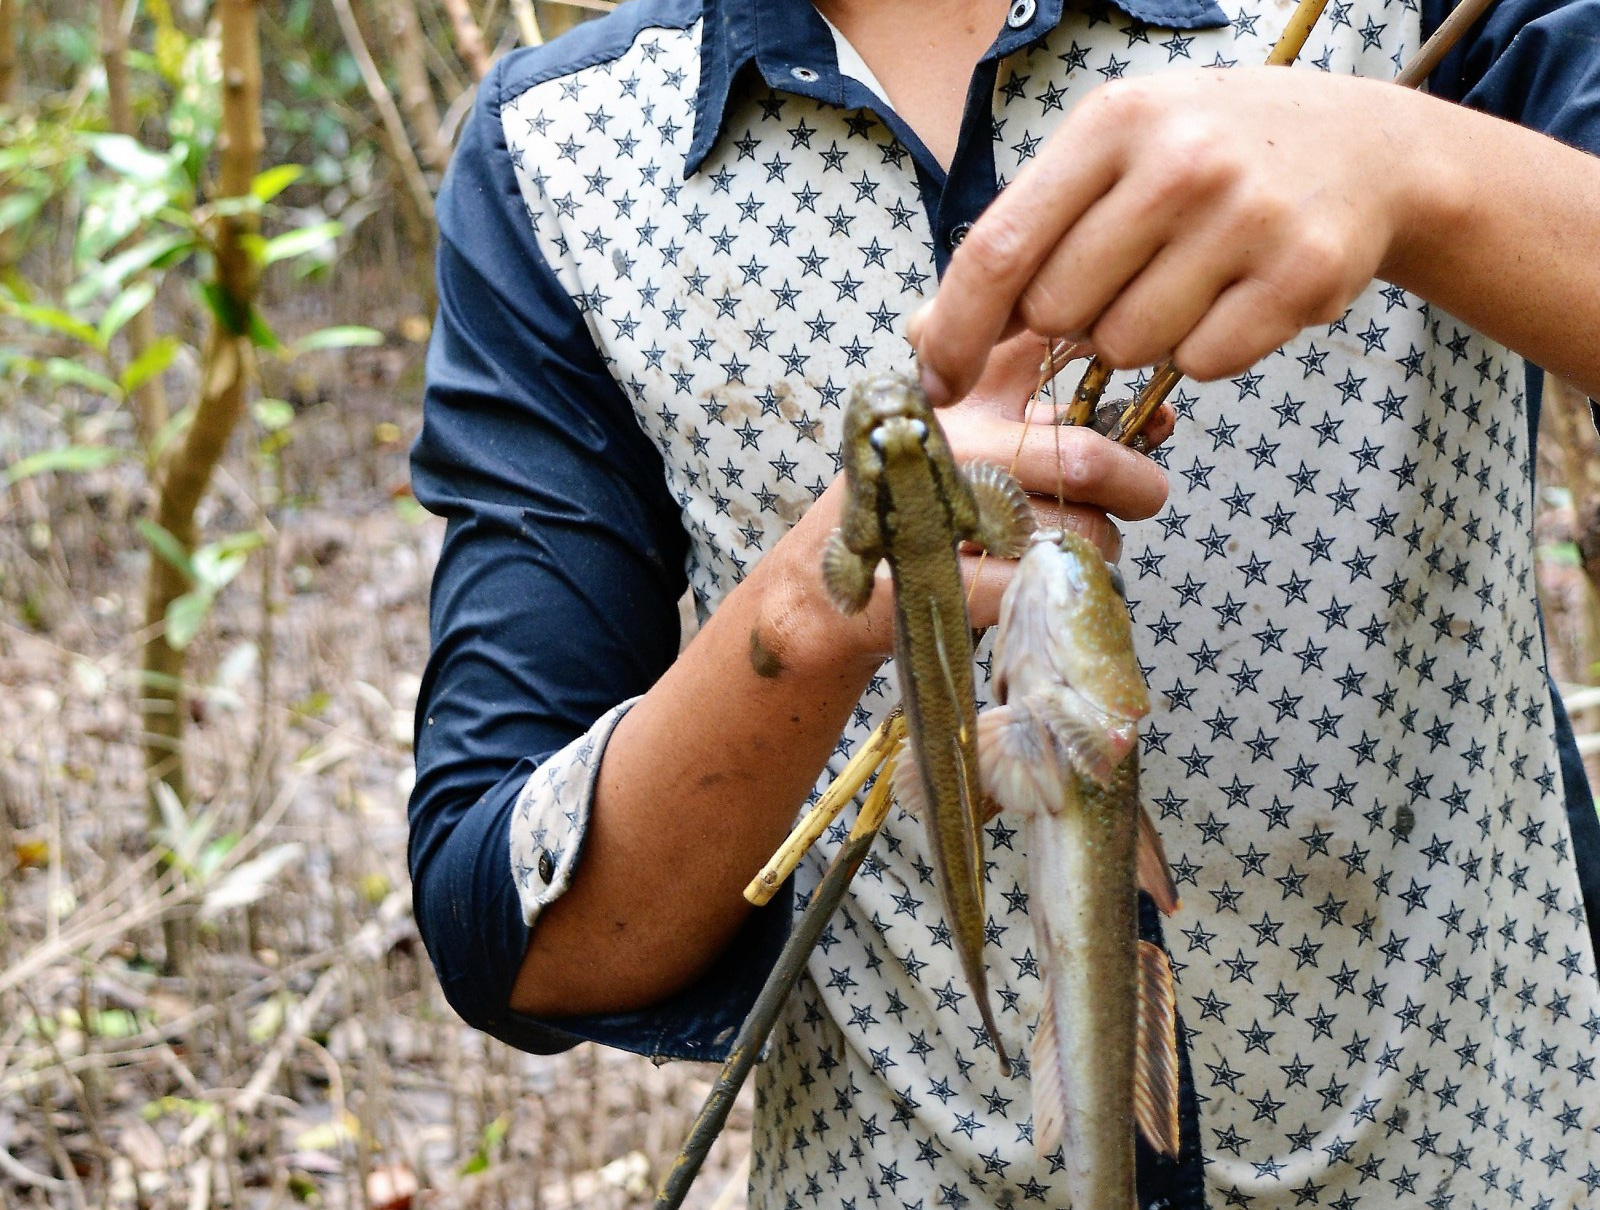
(1047, 1070)
(1018, 767)
(1155, 1078)
(1005, 522)
(909, 792)
(1155, 876)
(1082, 740)
(846, 575)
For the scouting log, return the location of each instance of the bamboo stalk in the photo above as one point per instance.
(878, 749)
(394, 127)
(468, 38)
(409, 51)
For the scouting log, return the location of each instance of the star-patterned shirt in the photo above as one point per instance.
(670, 244)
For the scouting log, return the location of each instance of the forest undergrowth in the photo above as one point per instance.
(309, 1057)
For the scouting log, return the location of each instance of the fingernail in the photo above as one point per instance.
(933, 386)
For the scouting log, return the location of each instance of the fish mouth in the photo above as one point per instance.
(898, 435)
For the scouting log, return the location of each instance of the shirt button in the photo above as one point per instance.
(805, 75)
(958, 233)
(547, 866)
(1021, 13)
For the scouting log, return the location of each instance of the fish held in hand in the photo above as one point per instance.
(1062, 748)
(909, 504)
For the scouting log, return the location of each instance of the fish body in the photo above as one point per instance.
(909, 504)
(1061, 748)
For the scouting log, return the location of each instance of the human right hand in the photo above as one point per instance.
(1074, 477)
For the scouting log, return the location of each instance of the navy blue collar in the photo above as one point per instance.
(792, 48)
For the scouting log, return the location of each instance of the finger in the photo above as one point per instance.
(989, 271)
(1074, 464)
(986, 576)
(1247, 321)
(1012, 374)
(1083, 274)
(1162, 424)
(1162, 303)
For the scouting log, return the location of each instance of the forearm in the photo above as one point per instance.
(698, 784)
(1504, 233)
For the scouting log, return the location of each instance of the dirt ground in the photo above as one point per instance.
(310, 1058)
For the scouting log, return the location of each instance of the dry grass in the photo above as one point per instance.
(310, 1057)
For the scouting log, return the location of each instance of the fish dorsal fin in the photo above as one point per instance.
(1049, 1076)
(1155, 1077)
(1155, 876)
(969, 811)
(948, 673)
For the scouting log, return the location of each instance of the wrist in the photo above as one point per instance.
(1434, 194)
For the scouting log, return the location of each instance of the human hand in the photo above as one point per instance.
(1074, 478)
(1208, 216)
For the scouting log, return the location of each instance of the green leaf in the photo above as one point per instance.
(261, 334)
(351, 336)
(55, 320)
(300, 241)
(225, 308)
(274, 181)
(130, 158)
(144, 255)
(148, 364)
(185, 616)
(274, 415)
(124, 307)
(217, 563)
(19, 208)
(168, 547)
(70, 458)
(248, 881)
(61, 369)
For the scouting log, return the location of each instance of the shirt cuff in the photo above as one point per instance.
(551, 818)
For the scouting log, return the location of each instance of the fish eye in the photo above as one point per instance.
(877, 440)
(1116, 580)
(918, 429)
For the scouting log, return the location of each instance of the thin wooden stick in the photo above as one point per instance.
(880, 746)
(1437, 47)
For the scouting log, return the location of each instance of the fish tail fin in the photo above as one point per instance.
(1155, 876)
(1155, 1084)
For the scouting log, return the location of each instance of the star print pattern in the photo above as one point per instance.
(1386, 979)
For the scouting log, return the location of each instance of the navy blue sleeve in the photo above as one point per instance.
(1534, 62)
(555, 597)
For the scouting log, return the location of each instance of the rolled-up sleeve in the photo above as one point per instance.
(555, 597)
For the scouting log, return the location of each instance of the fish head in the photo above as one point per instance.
(888, 420)
(1064, 626)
